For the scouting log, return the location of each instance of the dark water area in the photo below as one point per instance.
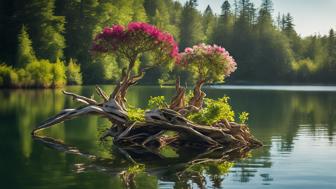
(297, 126)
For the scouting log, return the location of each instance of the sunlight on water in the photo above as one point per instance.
(277, 88)
(296, 126)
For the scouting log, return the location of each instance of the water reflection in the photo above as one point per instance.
(298, 129)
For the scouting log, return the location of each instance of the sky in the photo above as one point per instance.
(310, 16)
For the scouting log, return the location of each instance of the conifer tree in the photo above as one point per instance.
(191, 25)
(25, 52)
(209, 21)
(46, 27)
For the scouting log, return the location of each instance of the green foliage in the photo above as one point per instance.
(25, 52)
(213, 112)
(157, 102)
(191, 26)
(212, 168)
(243, 117)
(264, 50)
(136, 114)
(219, 168)
(8, 76)
(135, 169)
(40, 73)
(209, 22)
(59, 76)
(73, 73)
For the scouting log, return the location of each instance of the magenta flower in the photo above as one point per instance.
(136, 35)
(217, 60)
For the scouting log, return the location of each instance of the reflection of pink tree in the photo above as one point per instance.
(207, 64)
(130, 43)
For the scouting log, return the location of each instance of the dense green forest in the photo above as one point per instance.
(47, 43)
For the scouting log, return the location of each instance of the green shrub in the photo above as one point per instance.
(243, 117)
(73, 73)
(58, 71)
(24, 78)
(213, 112)
(136, 114)
(40, 73)
(157, 102)
(8, 76)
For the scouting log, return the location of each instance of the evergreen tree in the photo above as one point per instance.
(226, 9)
(209, 21)
(331, 64)
(288, 25)
(191, 25)
(46, 29)
(223, 31)
(243, 40)
(270, 44)
(25, 52)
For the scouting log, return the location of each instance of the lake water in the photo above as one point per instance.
(296, 124)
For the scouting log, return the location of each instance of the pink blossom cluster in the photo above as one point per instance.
(210, 54)
(111, 38)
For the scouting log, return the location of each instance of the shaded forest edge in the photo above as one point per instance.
(46, 44)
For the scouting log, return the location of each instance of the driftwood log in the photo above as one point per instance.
(152, 133)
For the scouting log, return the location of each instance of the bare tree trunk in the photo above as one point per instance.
(198, 97)
(127, 80)
(178, 101)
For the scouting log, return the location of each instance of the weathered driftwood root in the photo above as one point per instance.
(152, 132)
(198, 97)
(178, 101)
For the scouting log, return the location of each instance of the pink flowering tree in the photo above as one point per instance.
(130, 43)
(208, 64)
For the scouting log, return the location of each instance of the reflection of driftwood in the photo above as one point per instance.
(151, 133)
(180, 168)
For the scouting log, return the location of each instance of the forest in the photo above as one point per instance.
(47, 43)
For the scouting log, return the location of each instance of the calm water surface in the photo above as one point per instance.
(296, 125)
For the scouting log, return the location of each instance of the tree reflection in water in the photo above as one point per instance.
(185, 170)
(279, 118)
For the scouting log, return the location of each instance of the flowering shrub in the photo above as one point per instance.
(210, 63)
(135, 38)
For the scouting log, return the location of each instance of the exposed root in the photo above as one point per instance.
(178, 101)
(198, 97)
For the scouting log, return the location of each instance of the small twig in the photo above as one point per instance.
(153, 137)
(125, 133)
(82, 99)
(129, 157)
(101, 93)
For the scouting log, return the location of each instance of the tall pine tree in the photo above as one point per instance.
(25, 52)
(191, 25)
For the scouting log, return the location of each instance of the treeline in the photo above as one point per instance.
(43, 42)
